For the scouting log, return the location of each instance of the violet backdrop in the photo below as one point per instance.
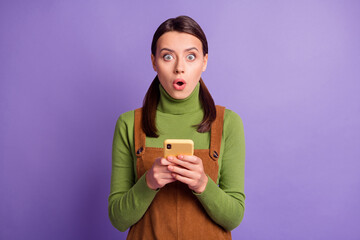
(290, 69)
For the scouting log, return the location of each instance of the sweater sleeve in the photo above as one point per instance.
(128, 200)
(225, 203)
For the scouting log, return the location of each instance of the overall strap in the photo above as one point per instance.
(216, 133)
(139, 134)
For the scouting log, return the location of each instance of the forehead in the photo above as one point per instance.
(178, 41)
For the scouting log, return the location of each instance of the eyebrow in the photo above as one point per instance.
(186, 50)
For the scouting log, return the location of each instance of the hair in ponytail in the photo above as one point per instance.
(209, 108)
(150, 103)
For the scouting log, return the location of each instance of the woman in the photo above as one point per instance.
(182, 197)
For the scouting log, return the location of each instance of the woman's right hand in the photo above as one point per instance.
(159, 175)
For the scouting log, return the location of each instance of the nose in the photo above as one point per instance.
(179, 67)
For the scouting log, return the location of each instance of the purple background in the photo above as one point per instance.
(290, 69)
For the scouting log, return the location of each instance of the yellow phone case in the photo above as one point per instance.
(175, 147)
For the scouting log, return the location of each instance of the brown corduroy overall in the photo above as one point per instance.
(175, 212)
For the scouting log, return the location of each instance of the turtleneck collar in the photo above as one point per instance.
(168, 104)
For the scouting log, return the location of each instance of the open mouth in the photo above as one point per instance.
(179, 84)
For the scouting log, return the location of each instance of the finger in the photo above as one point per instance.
(188, 158)
(176, 161)
(164, 162)
(162, 182)
(183, 172)
(161, 171)
(161, 168)
(183, 179)
(166, 175)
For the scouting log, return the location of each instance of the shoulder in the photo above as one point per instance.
(231, 116)
(127, 116)
(232, 121)
(126, 119)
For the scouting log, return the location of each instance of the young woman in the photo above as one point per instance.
(182, 197)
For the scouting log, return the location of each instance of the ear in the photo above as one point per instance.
(205, 62)
(153, 62)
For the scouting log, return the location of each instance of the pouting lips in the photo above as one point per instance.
(179, 84)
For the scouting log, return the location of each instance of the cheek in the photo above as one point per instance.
(164, 67)
(197, 69)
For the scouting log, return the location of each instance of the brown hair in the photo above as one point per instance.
(183, 24)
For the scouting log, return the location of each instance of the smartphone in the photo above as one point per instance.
(175, 147)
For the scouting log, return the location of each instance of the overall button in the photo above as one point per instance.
(139, 150)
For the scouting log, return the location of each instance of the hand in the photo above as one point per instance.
(189, 170)
(159, 175)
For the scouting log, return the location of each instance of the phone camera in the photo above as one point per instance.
(168, 146)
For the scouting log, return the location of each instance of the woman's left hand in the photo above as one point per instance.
(189, 170)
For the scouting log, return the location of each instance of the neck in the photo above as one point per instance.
(168, 104)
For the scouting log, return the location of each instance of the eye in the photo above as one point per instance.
(191, 57)
(167, 57)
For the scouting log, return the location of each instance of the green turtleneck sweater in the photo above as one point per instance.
(224, 201)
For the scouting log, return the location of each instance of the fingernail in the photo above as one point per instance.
(180, 156)
(170, 158)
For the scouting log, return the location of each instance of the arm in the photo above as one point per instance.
(226, 204)
(128, 201)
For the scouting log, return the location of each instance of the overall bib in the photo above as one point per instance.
(175, 212)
